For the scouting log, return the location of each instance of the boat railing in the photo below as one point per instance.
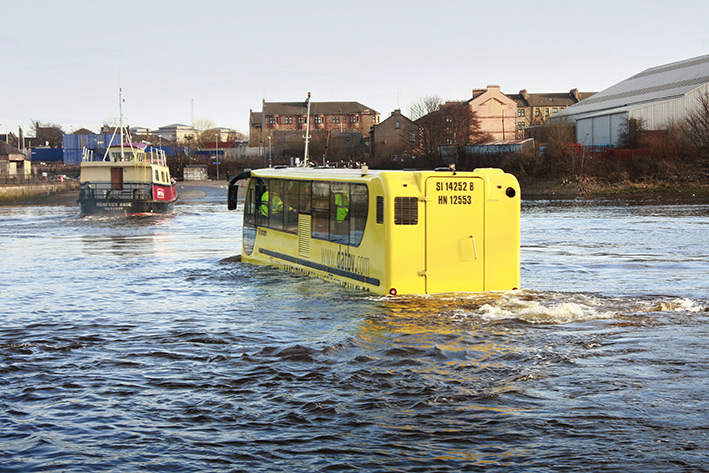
(87, 154)
(156, 156)
(108, 190)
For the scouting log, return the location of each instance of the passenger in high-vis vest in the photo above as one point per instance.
(342, 203)
(276, 204)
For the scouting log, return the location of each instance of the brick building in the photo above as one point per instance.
(333, 117)
(496, 111)
(395, 138)
(536, 109)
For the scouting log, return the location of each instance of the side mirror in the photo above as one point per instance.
(234, 188)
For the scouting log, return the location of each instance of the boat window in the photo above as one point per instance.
(320, 210)
(290, 206)
(406, 211)
(275, 204)
(359, 207)
(162, 174)
(340, 212)
(157, 175)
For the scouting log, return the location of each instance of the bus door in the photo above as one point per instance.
(454, 234)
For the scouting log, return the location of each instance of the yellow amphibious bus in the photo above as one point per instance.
(388, 232)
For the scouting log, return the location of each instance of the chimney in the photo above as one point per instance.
(575, 94)
(523, 93)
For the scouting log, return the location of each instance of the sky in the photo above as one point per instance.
(64, 62)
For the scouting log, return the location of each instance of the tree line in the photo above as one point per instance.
(679, 153)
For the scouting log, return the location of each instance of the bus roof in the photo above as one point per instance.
(346, 173)
(310, 173)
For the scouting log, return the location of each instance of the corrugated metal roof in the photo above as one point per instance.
(654, 84)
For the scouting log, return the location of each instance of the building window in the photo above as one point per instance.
(546, 112)
(289, 120)
(537, 112)
(354, 118)
(318, 119)
(554, 110)
(273, 120)
(397, 125)
(520, 125)
(520, 112)
(301, 120)
(335, 119)
(412, 137)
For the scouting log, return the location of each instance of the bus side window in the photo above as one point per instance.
(380, 209)
(340, 212)
(290, 206)
(304, 198)
(320, 210)
(249, 208)
(359, 208)
(261, 197)
(275, 204)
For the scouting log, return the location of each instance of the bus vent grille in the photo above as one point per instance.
(406, 211)
(303, 235)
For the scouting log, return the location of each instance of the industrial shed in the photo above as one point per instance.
(658, 96)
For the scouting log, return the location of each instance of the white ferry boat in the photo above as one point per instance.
(130, 178)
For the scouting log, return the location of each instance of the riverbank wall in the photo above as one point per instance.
(9, 194)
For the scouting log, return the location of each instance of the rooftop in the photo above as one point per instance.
(657, 83)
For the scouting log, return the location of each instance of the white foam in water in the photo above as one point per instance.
(676, 305)
(541, 311)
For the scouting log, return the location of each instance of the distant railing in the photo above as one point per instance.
(107, 190)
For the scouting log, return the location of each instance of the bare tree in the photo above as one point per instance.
(203, 124)
(48, 133)
(696, 124)
(453, 124)
(424, 105)
(632, 133)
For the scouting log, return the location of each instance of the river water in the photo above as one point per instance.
(140, 344)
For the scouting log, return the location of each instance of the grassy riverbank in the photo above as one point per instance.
(588, 187)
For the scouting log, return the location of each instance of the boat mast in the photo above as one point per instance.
(120, 109)
(306, 158)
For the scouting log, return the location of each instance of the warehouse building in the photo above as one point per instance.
(658, 96)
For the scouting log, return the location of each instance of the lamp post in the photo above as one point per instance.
(269, 151)
(216, 156)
